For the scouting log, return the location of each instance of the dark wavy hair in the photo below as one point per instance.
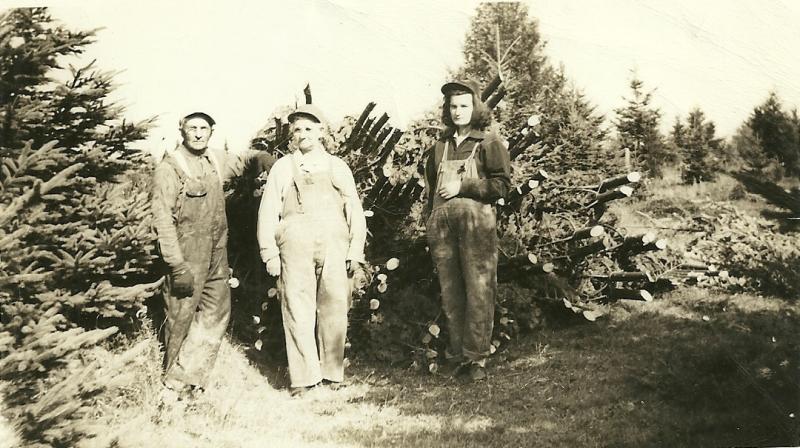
(481, 115)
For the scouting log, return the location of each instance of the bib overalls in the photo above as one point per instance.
(313, 238)
(462, 236)
(195, 325)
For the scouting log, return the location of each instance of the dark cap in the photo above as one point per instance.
(462, 84)
(307, 110)
(202, 115)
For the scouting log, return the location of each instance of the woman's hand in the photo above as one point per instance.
(450, 189)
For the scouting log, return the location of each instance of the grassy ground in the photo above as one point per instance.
(692, 369)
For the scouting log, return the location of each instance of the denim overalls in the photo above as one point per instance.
(195, 325)
(462, 236)
(313, 237)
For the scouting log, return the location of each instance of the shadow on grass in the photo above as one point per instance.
(272, 366)
(650, 380)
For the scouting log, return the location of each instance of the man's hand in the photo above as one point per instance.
(450, 189)
(274, 266)
(182, 281)
(356, 272)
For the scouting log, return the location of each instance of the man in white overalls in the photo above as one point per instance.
(311, 231)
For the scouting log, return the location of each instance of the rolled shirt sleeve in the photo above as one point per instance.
(497, 170)
(234, 163)
(164, 196)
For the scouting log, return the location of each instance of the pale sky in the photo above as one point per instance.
(239, 60)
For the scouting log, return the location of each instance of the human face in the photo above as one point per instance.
(306, 133)
(195, 133)
(461, 109)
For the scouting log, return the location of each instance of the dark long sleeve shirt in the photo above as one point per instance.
(491, 159)
(166, 187)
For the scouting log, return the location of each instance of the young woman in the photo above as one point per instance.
(466, 172)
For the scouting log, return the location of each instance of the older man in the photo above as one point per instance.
(311, 229)
(188, 207)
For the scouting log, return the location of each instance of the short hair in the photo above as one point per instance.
(481, 114)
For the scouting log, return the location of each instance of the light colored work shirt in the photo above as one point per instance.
(280, 179)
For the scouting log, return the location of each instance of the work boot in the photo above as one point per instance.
(452, 369)
(334, 385)
(298, 392)
(477, 372)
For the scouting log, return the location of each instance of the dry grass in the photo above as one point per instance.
(667, 205)
(655, 374)
(670, 186)
(690, 369)
(242, 409)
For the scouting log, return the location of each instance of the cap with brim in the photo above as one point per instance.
(202, 115)
(462, 84)
(307, 110)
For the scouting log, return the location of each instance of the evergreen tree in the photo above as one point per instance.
(637, 126)
(697, 143)
(778, 132)
(504, 40)
(75, 237)
(551, 226)
(748, 151)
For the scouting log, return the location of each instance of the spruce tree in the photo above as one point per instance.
(504, 39)
(697, 143)
(748, 152)
(75, 238)
(637, 127)
(553, 241)
(778, 132)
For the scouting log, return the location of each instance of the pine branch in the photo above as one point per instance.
(24, 278)
(10, 212)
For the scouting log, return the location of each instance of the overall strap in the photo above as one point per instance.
(471, 156)
(444, 155)
(475, 146)
(180, 160)
(470, 167)
(296, 175)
